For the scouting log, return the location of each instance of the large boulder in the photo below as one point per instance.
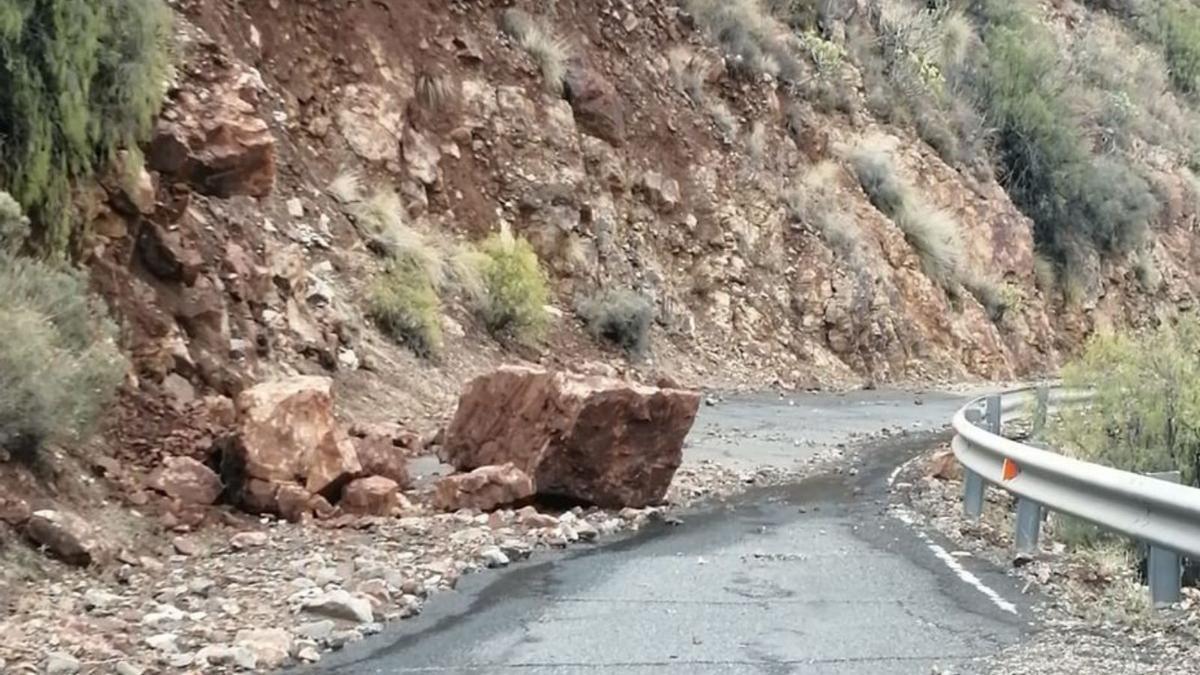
(598, 108)
(187, 480)
(286, 433)
(66, 535)
(380, 456)
(600, 440)
(483, 489)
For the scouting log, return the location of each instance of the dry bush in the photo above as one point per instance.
(933, 233)
(346, 187)
(755, 43)
(621, 316)
(537, 38)
(688, 72)
(381, 219)
(724, 119)
(813, 201)
(404, 304)
(436, 90)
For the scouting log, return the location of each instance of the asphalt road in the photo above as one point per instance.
(811, 578)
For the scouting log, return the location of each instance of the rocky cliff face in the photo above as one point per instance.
(247, 263)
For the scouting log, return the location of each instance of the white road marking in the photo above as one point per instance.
(961, 572)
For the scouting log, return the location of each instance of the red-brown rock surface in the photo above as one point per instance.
(600, 440)
(483, 489)
(373, 496)
(287, 434)
(380, 456)
(187, 480)
(66, 535)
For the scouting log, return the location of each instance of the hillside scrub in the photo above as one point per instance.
(404, 304)
(81, 80)
(514, 290)
(933, 233)
(621, 316)
(547, 50)
(1146, 413)
(59, 361)
(1074, 197)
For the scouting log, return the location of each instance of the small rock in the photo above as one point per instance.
(244, 540)
(61, 663)
(493, 557)
(127, 668)
(340, 604)
(201, 586)
(586, 531)
(66, 535)
(315, 630)
(309, 655)
(163, 642)
(295, 207)
(270, 647)
(184, 546)
(96, 599)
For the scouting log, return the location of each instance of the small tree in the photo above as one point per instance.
(1146, 413)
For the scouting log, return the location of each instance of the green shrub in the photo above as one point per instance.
(622, 317)
(1049, 170)
(1146, 413)
(81, 80)
(59, 362)
(933, 233)
(1178, 31)
(513, 293)
(405, 305)
(14, 226)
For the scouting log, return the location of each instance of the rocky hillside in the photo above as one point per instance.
(398, 195)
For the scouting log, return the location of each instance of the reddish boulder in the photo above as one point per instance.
(483, 489)
(216, 144)
(65, 535)
(374, 496)
(600, 440)
(598, 108)
(187, 480)
(380, 456)
(286, 433)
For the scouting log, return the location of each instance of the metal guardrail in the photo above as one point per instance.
(1148, 509)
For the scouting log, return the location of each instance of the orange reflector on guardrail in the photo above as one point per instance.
(1010, 469)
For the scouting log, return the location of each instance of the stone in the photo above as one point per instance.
(61, 663)
(421, 156)
(662, 192)
(493, 557)
(529, 517)
(127, 668)
(287, 433)
(135, 194)
(223, 152)
(379, 456)
(597, 106)
(184, 545)
(607, 442)
(943, 465)
(293, 502)
(315, 630)
(586, 531)
(167, 255)
(308, 654)
(14, 511)
(295, 207)
(187, 480)
(65, 535)
(163, 642)
(245, 540)
(269, 646)
(483, 489)
(373, 496)
(339, 604)
(96, 599)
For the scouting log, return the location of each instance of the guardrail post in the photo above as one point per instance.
(1029, 524)
(973, 486)
(1039, 411)
(1164, 570)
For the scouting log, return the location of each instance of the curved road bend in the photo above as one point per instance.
(809, 578)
